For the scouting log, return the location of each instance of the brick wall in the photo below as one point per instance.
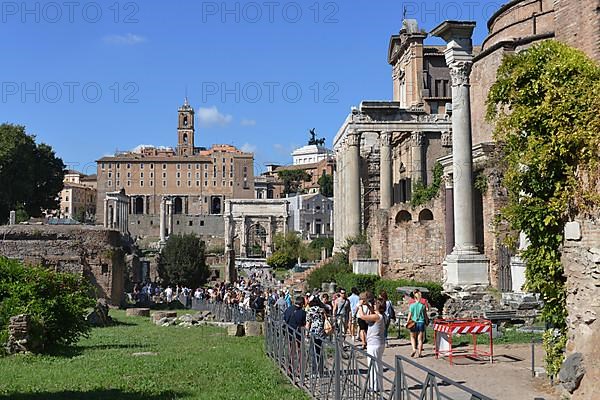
(89, 251)
(410, 249)
(578, 24)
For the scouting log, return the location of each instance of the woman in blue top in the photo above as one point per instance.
(416, 312)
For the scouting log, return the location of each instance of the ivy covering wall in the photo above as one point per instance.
(545, 107)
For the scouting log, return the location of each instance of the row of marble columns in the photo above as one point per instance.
(167, 210)
(347, 182)
(116, 212)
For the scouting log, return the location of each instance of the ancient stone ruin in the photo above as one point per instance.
(90, 251)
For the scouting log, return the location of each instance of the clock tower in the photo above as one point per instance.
(185, 130)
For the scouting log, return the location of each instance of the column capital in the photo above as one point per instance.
(353, 137)
(417, 138)
(460, 72)
(385, 138)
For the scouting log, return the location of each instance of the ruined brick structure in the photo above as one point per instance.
(581, 261)
(85, 250)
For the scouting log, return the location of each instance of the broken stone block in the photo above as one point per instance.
(138, 312)
(157, 316)
(252, 328)
(572, 231)
(572, 372)
(235, 330)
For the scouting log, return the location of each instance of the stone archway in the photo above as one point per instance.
(256, 245)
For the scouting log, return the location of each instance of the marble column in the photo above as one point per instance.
(115, 215)
(106, 214)
(353, 184)
(163, 216)
(243, 239)
(169, 206)
(386, 186)
(417, 141)
(270, 233)
(449, 215)
(465, 265)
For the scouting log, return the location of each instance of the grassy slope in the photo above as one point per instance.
(192, 363)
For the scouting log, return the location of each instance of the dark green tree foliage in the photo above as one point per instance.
(320, 242)
(31, 176)
(292, 179)
(545, 107)
(288, 248)
(281, 260)
(182, 261)
(57, 302)
(326, 185)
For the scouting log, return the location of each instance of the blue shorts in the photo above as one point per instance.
(419, 327)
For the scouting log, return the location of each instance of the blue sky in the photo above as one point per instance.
(89, 78)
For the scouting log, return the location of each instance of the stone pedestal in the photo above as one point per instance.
(466, 270)
(517, 272)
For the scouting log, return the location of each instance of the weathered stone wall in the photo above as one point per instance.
(581, 260)
(410, 249)
(87, 250)
(143, 225)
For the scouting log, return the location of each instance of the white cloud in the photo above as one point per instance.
(248, 122)
(248, 148)
(211, 116)
(124, 40)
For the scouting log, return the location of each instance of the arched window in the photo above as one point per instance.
(185, 138)
(425, 215)
(403, 216)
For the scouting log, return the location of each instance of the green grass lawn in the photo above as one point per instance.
(190, 363)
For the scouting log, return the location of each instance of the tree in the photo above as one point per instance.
(182, 261)
(292, 179)
(281, 260)
(544, 105)
(326, 185)
(31, 176)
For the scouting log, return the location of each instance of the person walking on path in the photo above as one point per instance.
(375, 341)
(366, 300)
(341, 311)
(416, 313)
(315, 325)
(353, 299)
(390, 313)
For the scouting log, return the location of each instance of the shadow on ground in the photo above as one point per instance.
(101, 394)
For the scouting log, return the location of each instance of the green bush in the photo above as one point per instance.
(328, 272)
(361, 282)
(435, 296)
(56, 302)
(319, 243)
(182, 261)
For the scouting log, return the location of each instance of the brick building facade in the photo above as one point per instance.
(198, 179)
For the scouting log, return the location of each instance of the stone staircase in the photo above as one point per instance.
(297, 280)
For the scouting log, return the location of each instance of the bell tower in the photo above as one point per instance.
(185, 130)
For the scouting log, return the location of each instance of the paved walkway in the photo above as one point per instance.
(508, 378)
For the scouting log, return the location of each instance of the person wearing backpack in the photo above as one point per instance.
(341, 311)
(390, 314)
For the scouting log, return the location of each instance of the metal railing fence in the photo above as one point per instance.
(331, 368)
(224, 312)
